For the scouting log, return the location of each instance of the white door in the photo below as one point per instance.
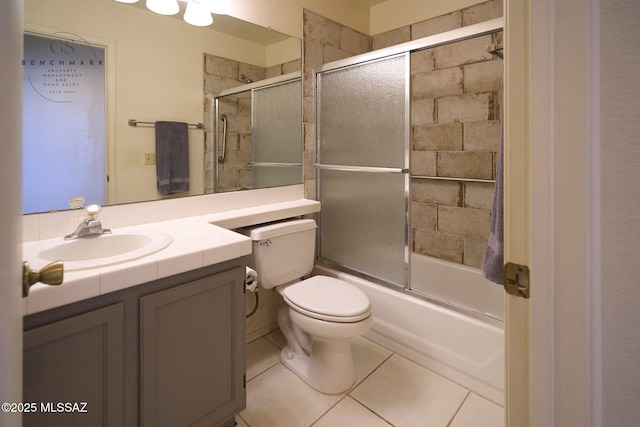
(551, 108)
(516, 207)
(10, 210)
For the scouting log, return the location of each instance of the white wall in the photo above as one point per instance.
(620, 210)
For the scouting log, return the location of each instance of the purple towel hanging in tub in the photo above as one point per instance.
(493, 262)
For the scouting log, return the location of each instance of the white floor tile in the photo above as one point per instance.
(261, 355)
(389, 390)
(367, 356)
(349, 413)
(479, 412)
(406, 394)
(278, 398)
(276, 338)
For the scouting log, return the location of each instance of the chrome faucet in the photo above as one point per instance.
(90, 226)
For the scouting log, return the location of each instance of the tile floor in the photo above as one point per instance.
(389, 391)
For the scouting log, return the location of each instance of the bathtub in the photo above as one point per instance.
(465, 348)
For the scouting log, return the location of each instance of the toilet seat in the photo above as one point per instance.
(329, 299)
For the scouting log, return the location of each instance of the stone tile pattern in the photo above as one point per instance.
(456, 101)
(221, 74)
(323, 41)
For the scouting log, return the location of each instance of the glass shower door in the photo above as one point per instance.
(277, 134)
(363, 167)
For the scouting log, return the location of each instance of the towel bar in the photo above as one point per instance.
(448, 178)
(134, 122)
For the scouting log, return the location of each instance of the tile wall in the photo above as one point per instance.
(323, 41)
(456, 132)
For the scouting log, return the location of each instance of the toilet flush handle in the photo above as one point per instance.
(265, 243)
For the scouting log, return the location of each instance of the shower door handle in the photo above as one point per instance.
(274, 165)
(374, 169)
(224, 138)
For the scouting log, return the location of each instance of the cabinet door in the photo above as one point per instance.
(73, 370)
(192, 352)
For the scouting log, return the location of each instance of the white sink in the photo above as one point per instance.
(99, 251)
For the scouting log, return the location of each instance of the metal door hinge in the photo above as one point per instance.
(516, 280)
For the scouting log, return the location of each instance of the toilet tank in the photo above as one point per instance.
(282, 252)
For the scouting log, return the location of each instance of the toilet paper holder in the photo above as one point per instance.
(251, 280)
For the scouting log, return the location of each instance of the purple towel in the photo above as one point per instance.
(493, 262)
(172, 157)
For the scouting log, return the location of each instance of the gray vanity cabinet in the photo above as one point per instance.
(73, 371)
(192, 349)
(166, 353)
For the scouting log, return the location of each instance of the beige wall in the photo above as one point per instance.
(286, 15)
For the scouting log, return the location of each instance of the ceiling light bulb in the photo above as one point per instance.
(198, 14)
(127, 1)
(163, 7)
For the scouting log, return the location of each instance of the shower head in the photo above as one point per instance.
(245, 79)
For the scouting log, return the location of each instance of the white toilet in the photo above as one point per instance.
(321, 313)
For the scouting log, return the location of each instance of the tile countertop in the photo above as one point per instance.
(198, 242)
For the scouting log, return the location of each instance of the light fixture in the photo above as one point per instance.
(197, 14)
(163, 7)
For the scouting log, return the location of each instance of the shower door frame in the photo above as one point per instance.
(445, 38)
(251, 87)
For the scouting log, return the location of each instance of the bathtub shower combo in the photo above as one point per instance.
(441, 314)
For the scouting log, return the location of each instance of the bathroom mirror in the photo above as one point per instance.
(156, 67)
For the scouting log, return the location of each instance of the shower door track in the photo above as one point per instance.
(273, 81)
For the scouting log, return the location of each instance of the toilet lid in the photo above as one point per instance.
(327, 298)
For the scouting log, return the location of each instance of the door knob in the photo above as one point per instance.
(50, 274)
